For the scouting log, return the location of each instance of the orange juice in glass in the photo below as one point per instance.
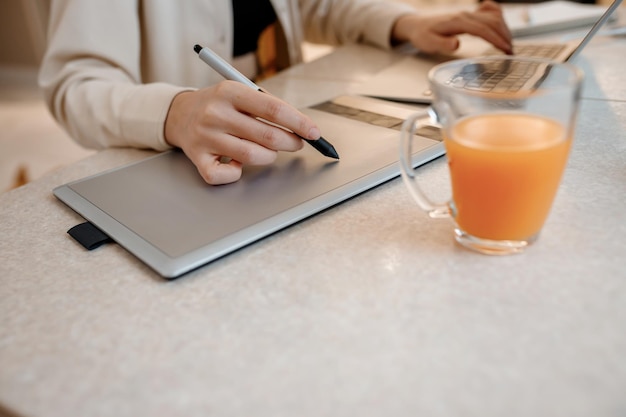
(506, 148)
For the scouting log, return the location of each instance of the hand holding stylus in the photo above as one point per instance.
(230, 73)
(219, 129)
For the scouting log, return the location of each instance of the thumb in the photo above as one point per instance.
(441, 44)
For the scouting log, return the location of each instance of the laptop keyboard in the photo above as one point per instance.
(505, 77)
(537, 50)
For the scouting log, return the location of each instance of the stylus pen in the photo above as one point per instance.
(227, 71)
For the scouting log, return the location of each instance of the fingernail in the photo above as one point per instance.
(314, 134)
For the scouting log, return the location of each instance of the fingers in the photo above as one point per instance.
(489, 6)
(435, 34)
(276, 111)
(267, 135)
(219, 129)
(220, 157)
(498, 33)
(438, 43)
(214, 171)
(489, 26)
(240, 121)
(497, 22)
(223, 145)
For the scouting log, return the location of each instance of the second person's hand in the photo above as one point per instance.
(438, 33)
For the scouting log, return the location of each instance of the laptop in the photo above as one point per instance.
(161, 210)
(407, 81)
(551, 16)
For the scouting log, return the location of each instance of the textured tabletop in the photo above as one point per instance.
(366, 309)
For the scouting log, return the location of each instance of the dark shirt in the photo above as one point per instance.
(250, 18)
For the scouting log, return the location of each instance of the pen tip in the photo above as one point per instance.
(197, 48)
(323, 147)
(329, 150)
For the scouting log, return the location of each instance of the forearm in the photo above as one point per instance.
(342, 21)
(106, 113)
(92, 81)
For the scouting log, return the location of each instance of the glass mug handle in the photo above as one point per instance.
(408, 173)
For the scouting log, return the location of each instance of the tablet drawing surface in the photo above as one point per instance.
(162, 211)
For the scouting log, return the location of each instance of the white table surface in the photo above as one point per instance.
(367, 309)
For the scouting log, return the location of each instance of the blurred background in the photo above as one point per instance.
(31, 143)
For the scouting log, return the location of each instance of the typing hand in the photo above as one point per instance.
(218, 129)
(438, 34)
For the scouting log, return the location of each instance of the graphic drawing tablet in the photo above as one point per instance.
(162, 211)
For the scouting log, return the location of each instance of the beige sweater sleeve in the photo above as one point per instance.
(349, 21)
(92, 80)
(113, 67)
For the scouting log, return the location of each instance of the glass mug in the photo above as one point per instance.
(507, 144)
